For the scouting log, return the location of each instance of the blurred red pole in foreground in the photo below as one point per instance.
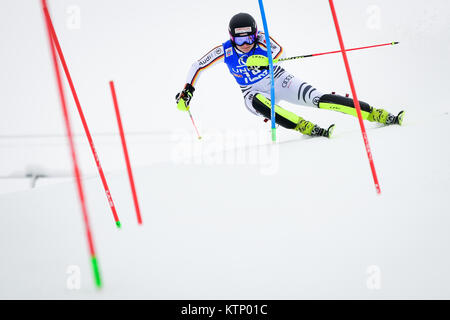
(72, 150)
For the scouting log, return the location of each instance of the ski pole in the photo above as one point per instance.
(269, 63)
(337, 51)
(262, 61)
(193, 122)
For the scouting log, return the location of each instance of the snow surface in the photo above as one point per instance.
(231, 216)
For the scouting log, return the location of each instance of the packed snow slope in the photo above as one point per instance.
(302, 221)
(231, 216)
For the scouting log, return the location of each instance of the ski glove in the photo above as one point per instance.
(184, 97)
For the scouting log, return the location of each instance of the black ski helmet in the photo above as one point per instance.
(241, 25)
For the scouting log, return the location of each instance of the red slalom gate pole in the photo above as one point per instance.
(83, 119)
(348, 50)
(73, 152)
(355, 98)
(125, 151)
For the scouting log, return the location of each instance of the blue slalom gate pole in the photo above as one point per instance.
(269, 55)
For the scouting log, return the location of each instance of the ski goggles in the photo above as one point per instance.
(247, 39)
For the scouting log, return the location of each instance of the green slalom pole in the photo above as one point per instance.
(96, 269)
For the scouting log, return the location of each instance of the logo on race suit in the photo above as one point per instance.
(249, 76)
(242, 30)
(210, 56)
(243, 61)
(205, 60)
(229, 52)
(238, 75)
(287, 81)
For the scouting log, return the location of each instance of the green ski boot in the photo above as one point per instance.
(384, 117)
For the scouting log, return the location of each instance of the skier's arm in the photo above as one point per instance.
(208, 60)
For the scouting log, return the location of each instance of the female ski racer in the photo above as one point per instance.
(255, 83)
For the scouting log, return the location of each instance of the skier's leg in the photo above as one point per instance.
(292, 89)
(288, 119)
(346, 105)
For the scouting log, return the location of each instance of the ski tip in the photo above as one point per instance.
(330, 131)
